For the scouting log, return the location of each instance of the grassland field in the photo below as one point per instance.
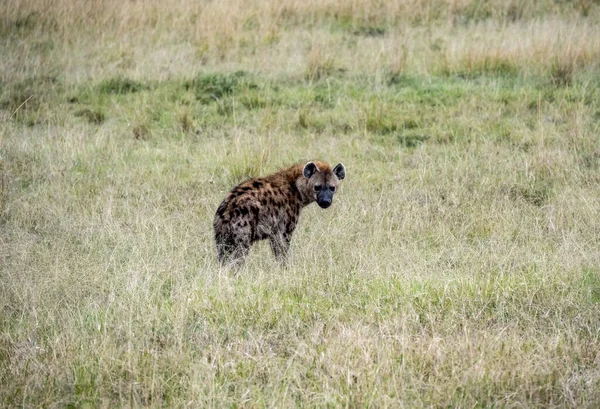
(459, 265)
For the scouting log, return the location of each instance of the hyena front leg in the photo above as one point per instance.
(280, 244)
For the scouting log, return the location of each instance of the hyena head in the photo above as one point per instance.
(321, 182)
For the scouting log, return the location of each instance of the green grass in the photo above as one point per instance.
(458, 266)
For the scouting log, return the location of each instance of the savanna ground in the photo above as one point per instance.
(458, 267)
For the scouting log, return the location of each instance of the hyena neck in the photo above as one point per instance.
(304, 194)
(292, 177)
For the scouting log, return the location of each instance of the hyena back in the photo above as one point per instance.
(269, 208)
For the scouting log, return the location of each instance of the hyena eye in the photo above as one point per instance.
(317, 188)
(332, 188)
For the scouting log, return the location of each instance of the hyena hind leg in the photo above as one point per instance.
(232, 254)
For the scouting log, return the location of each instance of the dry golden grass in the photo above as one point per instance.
(161, 39)
(458, 267)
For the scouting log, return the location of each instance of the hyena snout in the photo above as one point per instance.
(324, 198)
(324, 204)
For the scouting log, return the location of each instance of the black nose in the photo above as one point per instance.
(324, 204)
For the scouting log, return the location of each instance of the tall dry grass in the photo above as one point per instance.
(459, 265)
(160, 38)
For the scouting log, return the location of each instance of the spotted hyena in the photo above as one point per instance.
(269, 208)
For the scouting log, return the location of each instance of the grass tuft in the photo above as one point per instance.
(120, 86)
(212, 87)
(561, 72)
(319, 65)
(591, 283)
(92, 116)
(28, 94)
(186, 121)
(140, 132)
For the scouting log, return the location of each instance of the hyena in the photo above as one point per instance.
(269, 208)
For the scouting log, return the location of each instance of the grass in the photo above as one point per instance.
(459, 265)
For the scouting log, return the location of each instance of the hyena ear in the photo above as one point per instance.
(309, 169)
(339, 171)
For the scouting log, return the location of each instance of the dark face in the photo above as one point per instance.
(324, 194)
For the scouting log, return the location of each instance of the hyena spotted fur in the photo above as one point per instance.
(269, 208)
